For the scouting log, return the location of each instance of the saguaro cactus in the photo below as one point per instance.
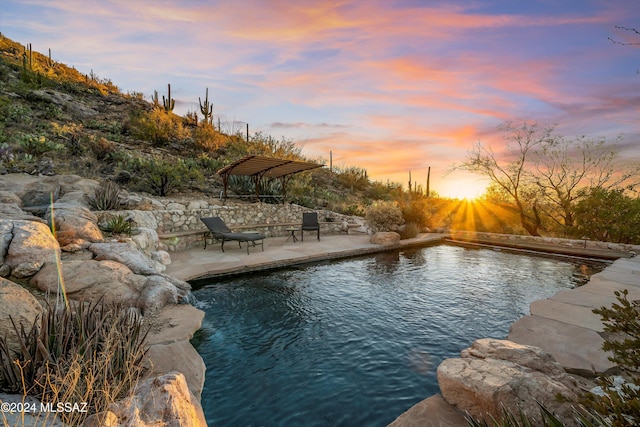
(27, 58)
(168, 103)
(154, 98)
(206, 109)
(51, 64)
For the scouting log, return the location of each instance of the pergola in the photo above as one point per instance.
(259, 167)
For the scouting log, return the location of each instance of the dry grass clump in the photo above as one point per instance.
(88, 353)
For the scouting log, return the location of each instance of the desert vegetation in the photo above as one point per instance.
(90, 353)
(54, 119)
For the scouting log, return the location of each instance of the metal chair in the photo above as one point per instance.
(310, 223)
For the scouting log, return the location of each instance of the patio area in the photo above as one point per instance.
(198, 263)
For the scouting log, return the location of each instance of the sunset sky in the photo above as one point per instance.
(391, 86)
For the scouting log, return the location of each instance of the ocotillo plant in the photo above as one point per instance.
(206, 109)
(169, 103)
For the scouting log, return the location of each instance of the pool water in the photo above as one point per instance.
(357, 342)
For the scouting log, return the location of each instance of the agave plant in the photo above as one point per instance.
(89, 352)
(106, 196)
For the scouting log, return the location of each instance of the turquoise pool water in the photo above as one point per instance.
(357, 342)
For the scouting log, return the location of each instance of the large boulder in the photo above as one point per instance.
(65, 101)
(146, 239)
(11, 208)
(385, 238)
(91, 280)
(18, 304)
(30, 246)
(159, 401)
(493, 374)
(157, 292)
(129, 255)
(74, 224)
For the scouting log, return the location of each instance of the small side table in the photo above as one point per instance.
(292, 233)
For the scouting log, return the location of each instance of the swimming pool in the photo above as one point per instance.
(357, 342)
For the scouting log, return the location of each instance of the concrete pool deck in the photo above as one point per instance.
(562, 325)
(198, 263)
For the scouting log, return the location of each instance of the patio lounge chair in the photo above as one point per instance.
(219, 230)
(309, 223)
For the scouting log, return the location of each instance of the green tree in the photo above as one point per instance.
(608, 215)
(565, 167)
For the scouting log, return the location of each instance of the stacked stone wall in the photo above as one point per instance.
(176, 220)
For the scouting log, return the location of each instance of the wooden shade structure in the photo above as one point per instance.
(259, 167)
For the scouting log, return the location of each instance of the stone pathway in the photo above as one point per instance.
(565, 326)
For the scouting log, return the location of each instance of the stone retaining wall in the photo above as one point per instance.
(569, 243)
(173, 221)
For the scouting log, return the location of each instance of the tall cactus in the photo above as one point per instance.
(168, 103)
(27, 58)
(156, 101)
(206, 109)
(51, 64)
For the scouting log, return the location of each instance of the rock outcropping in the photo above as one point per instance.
(159, 401)
(75, 258)
(492, 374)
(17, 306)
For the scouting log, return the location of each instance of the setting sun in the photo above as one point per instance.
(467, 188)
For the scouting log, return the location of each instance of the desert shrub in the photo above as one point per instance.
(384, 216)
(102, 149)
(15, 113)
(206, 138)
(70, 133)
(242, 184)
(208, 163)
(6, 154)
(416, 211)
(106, 196)
(160, 177)
(37, 145)
(621, 404)
(118, 225)
(409, 231)
(353, 178)
(85, 353)
(158, 127)
(263, 145)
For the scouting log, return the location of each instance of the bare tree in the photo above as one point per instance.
(565, 168)
(510, 172)
(632, 30)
